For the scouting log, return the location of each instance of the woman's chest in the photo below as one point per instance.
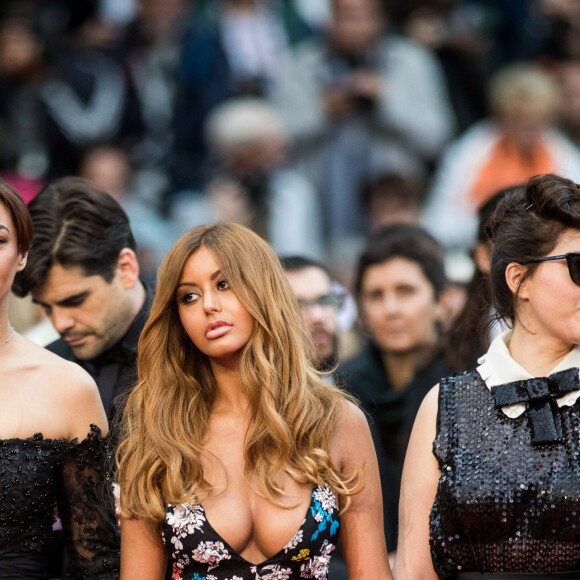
(196, 545)
(252, 525)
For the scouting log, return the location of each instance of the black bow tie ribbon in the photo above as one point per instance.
(540, 393)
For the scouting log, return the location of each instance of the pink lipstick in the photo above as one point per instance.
(217, 329)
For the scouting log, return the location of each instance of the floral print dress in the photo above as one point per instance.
(197, 552)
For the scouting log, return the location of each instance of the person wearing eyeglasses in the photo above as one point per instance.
(400, 289)
(319, 299)
(491, 483)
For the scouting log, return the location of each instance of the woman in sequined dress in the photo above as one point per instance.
(52, 451)
(491, 484)
(239, 461)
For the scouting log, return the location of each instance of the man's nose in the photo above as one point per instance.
(61, 320)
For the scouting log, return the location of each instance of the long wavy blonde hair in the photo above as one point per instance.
(293, 411)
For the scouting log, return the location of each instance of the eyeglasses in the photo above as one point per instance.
(324, 301)
(572, 259)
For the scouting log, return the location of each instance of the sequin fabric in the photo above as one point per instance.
(36, 475)
(502, 504)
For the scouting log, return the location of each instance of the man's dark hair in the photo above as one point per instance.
(404, 241)
(298, 263)
(75, 224)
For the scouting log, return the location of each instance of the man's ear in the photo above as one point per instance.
(514, 277)
(22, 263)
(128, 268)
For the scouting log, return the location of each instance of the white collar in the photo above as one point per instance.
(497, 367)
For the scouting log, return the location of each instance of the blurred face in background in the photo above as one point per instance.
(525, 122)
(399, 306)
(109, 169)
(20, 50)
(318, 305)
(159, 17)
(525, 100)
(356, 25)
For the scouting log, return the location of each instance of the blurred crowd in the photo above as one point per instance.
(312, 121)
(318, 124)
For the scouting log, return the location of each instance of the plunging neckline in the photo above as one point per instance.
(274, 556)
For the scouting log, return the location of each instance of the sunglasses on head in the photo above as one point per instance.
(572, 259)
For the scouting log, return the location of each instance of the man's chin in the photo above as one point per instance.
(85, 351)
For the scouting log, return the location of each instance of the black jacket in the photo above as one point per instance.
(114, 370)
(391, 415)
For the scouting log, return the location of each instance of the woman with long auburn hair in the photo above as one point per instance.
(238, 461)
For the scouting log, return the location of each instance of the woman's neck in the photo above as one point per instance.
(537, 354)
(231, 397)
(5, 326)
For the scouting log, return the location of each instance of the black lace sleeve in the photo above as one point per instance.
(87, 509)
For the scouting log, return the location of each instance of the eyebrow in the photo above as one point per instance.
(212, 277)
(68, 301)
(3, 227)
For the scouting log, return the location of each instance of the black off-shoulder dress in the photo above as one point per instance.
(38, 475)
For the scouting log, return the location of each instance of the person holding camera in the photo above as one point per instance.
(358, 101)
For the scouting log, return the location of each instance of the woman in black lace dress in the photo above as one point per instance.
(491, 484)
(239, 461)
(52, 452)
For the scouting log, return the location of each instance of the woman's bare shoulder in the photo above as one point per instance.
(430, 403)
(60, 394)
(54, 373)
(350, 415)
(351, 430)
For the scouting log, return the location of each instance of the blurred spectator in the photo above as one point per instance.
(110, 170)
(569, 77)
(255, 35)
(59, 92)
(399, 286)
(320, 299)
(561, 19)
(471, 333)
(358, 103)
(233, 48)
(150, 49)
(23, 66)
(319, 303)
(518, 140)
(254, 184)
(315, 12)
(117, 11)
(458, 34)
(392, 198)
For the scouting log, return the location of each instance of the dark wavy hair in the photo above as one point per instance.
(528, 224)
(75, 224)
(468, 337)
(407, 241)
